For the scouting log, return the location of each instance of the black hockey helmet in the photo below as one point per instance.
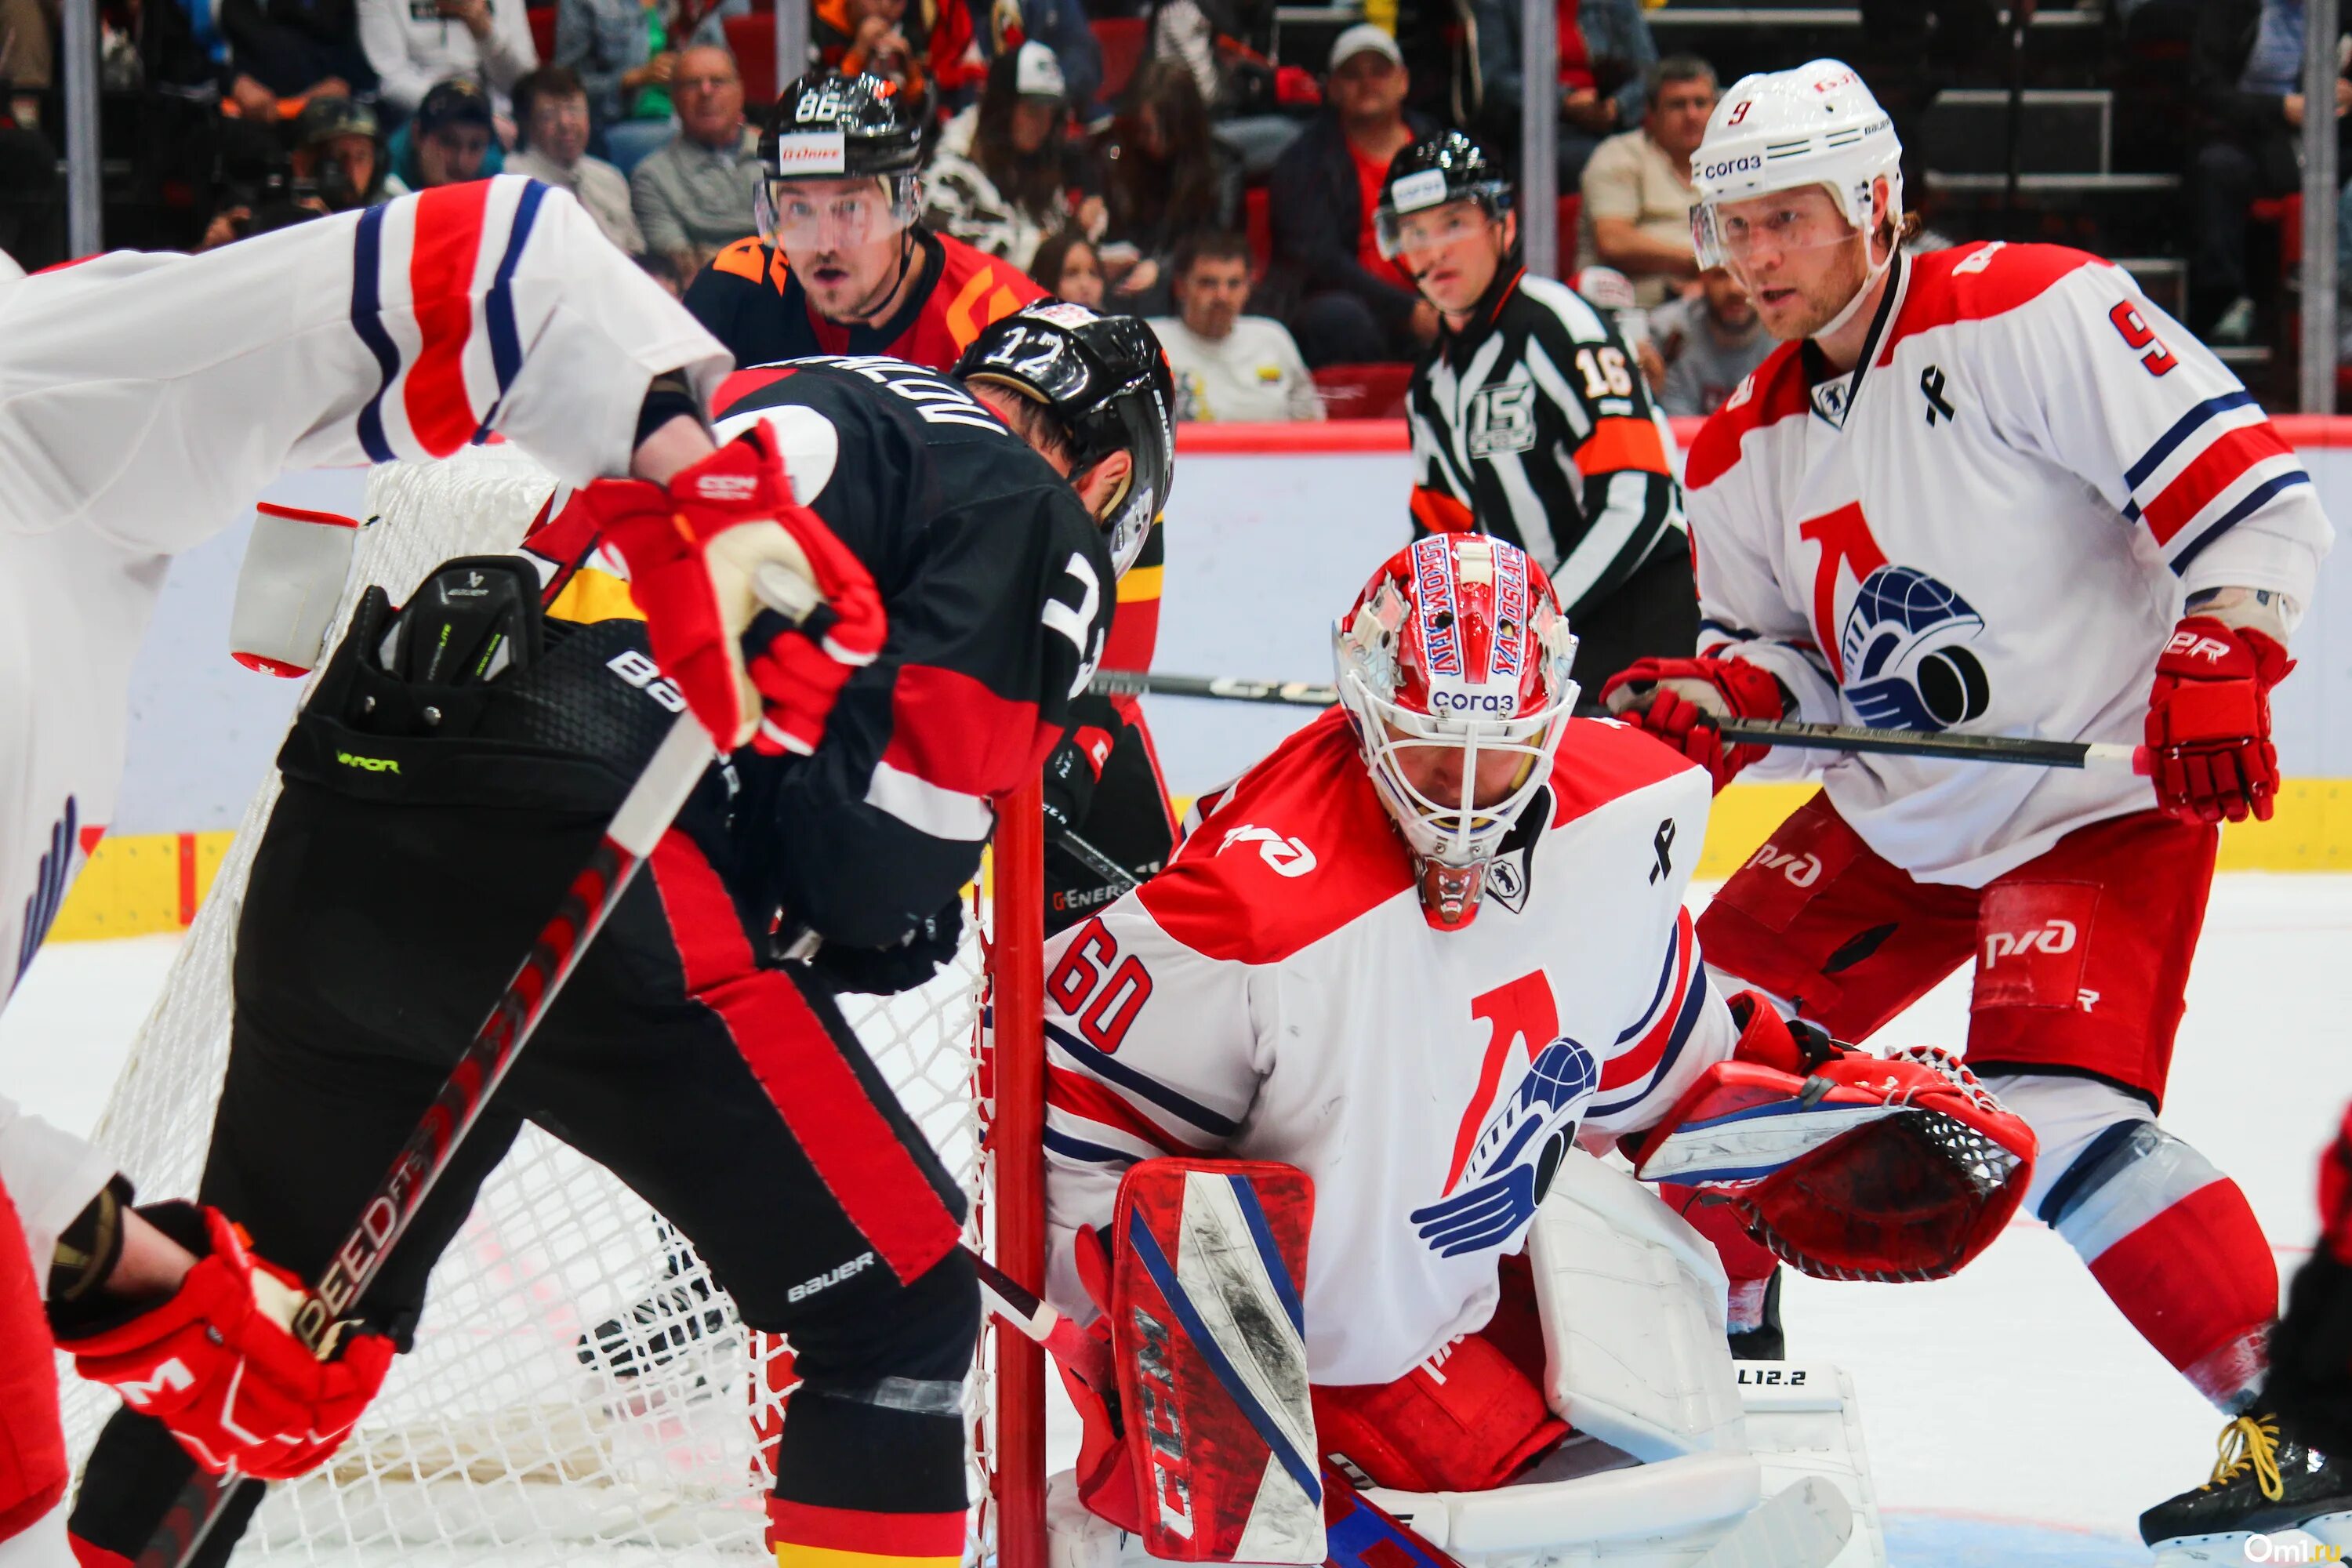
(828, 126)
(1106, 382)
(1448, 167)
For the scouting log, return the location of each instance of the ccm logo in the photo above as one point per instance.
(727, 487)
(2056, 936)
(172, 1377)
(1802, 870)
(1163, 1429)
(2212, 650)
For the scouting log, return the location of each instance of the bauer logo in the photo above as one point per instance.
(830, 1277)
(810, 153)
(368, 765)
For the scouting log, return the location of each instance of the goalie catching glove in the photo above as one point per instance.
(1848, 1165)
(217, 1361)
(710, 559)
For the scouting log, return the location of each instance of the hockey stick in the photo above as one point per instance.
(1359, 1534)
(1100, 864)
(2026, 750)
(645, 814)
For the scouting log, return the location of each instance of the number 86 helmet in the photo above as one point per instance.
(1456, 653)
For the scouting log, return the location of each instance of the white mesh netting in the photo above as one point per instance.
(500, 1439)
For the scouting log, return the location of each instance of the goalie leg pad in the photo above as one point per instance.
(1466, 1420)
(1208, 1269)
(2169, 1238)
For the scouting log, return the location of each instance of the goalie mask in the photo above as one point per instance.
(1454, 668)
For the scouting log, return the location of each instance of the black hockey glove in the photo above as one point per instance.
(1071, 771)
(887, 971)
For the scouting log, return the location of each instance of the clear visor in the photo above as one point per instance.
(1427, 769)
(1729, 235)
(811, 216)
(1431, 228)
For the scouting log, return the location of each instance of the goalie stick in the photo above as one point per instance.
(651, 803)
(1358, 1533)
(2026, 750)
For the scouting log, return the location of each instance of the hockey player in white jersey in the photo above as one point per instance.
(144, 400)
(1412, 953)
(1994, 489)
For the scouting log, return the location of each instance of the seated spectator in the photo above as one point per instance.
(1637, 186)
(296, 49)
(1227, 46)
(1710, 342)
(551, 108)
(1353, 307)
(998, 179)
(1605, 48)
(1163, 177)
(1065, 267)
(1062, 27)
(448, 142)
(693, 195)
(624, 52)
(27, 58)
(1229, 366)
(2246, 75)
(413, 44)
(338, 153)
(921, 52)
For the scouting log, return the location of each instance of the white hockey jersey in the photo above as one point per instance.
(145, 399)
(1277, 995)
(1990, 527)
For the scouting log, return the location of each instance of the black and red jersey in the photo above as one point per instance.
(1000, 593)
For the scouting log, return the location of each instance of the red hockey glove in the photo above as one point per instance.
(694, 554)
(217, 1364)
(1072, 769)
(1673, 697)
(2208, 722)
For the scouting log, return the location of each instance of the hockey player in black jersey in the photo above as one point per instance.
(1529, 420)
(697, 1052)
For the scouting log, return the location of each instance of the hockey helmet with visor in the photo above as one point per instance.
(1105, 381)
(1456, 646)
(1419, 206)
(1784, 131)
(840, 163)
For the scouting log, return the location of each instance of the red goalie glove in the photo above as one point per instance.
(2208, 722)
(1850, 1167)
(1674, 698)
(700, 556)
(216, 1363)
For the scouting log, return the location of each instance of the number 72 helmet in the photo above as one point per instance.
(1456, 645)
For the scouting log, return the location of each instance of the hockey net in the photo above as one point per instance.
(579, 1386)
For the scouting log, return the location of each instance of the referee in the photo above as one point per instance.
(1530, 419)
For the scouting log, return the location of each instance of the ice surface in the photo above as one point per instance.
(2012, 1415)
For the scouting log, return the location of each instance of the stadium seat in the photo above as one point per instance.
(1258, 220)
(542, 31)
(1364, 391)
(753, 40)
(1123, 39)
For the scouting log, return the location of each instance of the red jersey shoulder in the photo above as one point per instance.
(1773, 391)
(1298, 848)
(975, 288)
(1601, 761)
(1977, 282)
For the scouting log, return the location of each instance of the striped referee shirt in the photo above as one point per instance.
(1533, 425)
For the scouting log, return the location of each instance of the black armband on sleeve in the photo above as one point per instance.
(91, 1246)
(667, 398)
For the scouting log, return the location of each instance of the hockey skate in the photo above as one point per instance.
(2263, 1485)
(681, 1314)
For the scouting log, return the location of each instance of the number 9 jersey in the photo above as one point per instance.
(1989, 526)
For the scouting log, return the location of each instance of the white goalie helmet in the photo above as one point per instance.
(1775, 131)
(1456, 646)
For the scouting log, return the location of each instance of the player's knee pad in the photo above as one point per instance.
(924, 1329)
(1464, 1420)
(2169, 1238)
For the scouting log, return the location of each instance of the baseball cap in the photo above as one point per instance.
(328, 116)
(1037, 74)
(456, 102)
(1364, 35)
